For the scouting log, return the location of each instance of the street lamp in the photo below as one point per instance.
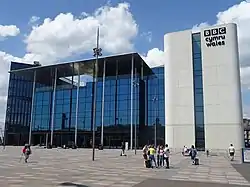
(154, 101)
(97, 52)
(135, 84)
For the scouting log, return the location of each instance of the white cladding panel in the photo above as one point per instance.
(179, 103)
(221, 87)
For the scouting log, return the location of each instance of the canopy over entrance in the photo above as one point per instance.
(120, 64)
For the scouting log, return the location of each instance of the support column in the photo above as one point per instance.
(131, 103)
(135, 140)
(142, 73)
(32, 107)
(155, 127)
(103, 95)
(53, 108)
(116, 90)
(77, 104)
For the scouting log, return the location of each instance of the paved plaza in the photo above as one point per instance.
(59, 167)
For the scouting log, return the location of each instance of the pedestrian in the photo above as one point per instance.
(145, 157)
(26, 152)
(166, 155)
(158, 155)
(152, 155)
(122, 149)
(231, 151)
(193, 153)
(161, 156)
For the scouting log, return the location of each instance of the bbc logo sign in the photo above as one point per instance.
(214, 32)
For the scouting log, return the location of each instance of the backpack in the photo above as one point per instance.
(28, 151)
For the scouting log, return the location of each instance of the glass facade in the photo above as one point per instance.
(156, 105)
(198, 93)
(147, 110)
(18, 107)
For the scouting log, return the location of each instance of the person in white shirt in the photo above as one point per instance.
(185, 149)
(231, 151)
(166, 156)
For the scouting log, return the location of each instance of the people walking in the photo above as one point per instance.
(193, 153)
(122, 149)
(231, 151)
(26, 152)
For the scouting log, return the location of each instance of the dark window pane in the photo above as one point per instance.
(199, 118)
(198, 82)
(198, 100)
(196, 37)
(197, 66)
(196, 47)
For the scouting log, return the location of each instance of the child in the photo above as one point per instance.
(26, 152)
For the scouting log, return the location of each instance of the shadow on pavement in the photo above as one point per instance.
(175, 183)
(243, 169)
(72, 184)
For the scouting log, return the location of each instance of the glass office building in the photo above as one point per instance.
(55, 104)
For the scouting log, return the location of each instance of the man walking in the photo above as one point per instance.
(122, 149)
(231, 151)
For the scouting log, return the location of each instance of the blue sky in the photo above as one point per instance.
(138, 27)
(159, 16)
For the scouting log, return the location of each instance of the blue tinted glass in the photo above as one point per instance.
(196, 37)
(198, 100)
(198, 93)
(198, 82)
(197, 56)
(196, 47)
(197, 66)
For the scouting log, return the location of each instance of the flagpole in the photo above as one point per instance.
(97, 53)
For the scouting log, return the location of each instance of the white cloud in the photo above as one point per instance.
(239, 14)
(84, 14)
(8, 30)
(66, 34)
(154, 57)
(148, 35)
(197, 27)
(34, 19)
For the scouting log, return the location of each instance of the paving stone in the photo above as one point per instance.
(57, 166)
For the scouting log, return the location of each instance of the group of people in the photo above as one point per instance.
(162, 156)
(149, 151)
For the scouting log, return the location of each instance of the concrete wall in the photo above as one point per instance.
(222, 93)
(179, 102)
(221, 88)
